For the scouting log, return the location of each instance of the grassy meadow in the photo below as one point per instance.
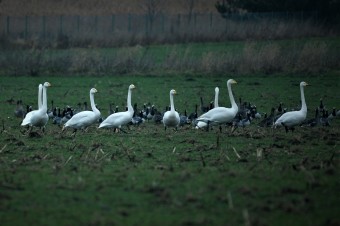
(254, 176)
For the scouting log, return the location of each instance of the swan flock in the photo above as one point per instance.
(215, 115)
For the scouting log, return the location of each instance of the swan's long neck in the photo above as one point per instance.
(172, 106)
(44, 100)
(130, 108)
(40, 96)
(303, 101)
(216, 99)
(232, 100)
(93, 105)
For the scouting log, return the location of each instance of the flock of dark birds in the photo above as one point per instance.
(247, 114)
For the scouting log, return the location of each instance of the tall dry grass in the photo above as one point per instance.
(312, 57)
(133, 29)
(268, 58)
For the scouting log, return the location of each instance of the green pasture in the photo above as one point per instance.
(254, 176)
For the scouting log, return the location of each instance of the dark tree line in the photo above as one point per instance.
(325, 8)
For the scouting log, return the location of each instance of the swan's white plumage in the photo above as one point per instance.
(171, 118)
(40, 96)
(38, 118)
(219, 115)
(293, 118)
(117, 120)
(217, 90)
(84, 119)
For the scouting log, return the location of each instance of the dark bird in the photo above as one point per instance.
(19, 111)
(269, 120)
(313, 121)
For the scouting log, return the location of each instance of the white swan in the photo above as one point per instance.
(217, 90)
(38, 118)
(171, 118)
(117, 120)
(293, 118)
(84, 119)
(40, 96)
(219, 115)
(29, 114)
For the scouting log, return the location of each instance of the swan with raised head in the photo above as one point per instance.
(219, 115)
(84, 119)
(40, 96)
(294, 118)
(29, 111)
(119, 119)
(217, 90)
(38, 118)
(171, 118)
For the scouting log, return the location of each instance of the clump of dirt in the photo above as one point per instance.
(295, 149)
(15, 141)
(34, 134)
(159, 192)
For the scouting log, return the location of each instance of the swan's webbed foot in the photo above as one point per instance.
(120, 129)
(74, 133)
(287, 129)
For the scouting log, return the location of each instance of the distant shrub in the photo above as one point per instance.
(313, 57)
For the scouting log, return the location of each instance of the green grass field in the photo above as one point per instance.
(149, 176)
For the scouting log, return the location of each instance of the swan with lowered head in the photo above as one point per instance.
(38, 118)
(171, 118)
(219, 115)
(293, 118)
(84, 119)
(117, 120)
